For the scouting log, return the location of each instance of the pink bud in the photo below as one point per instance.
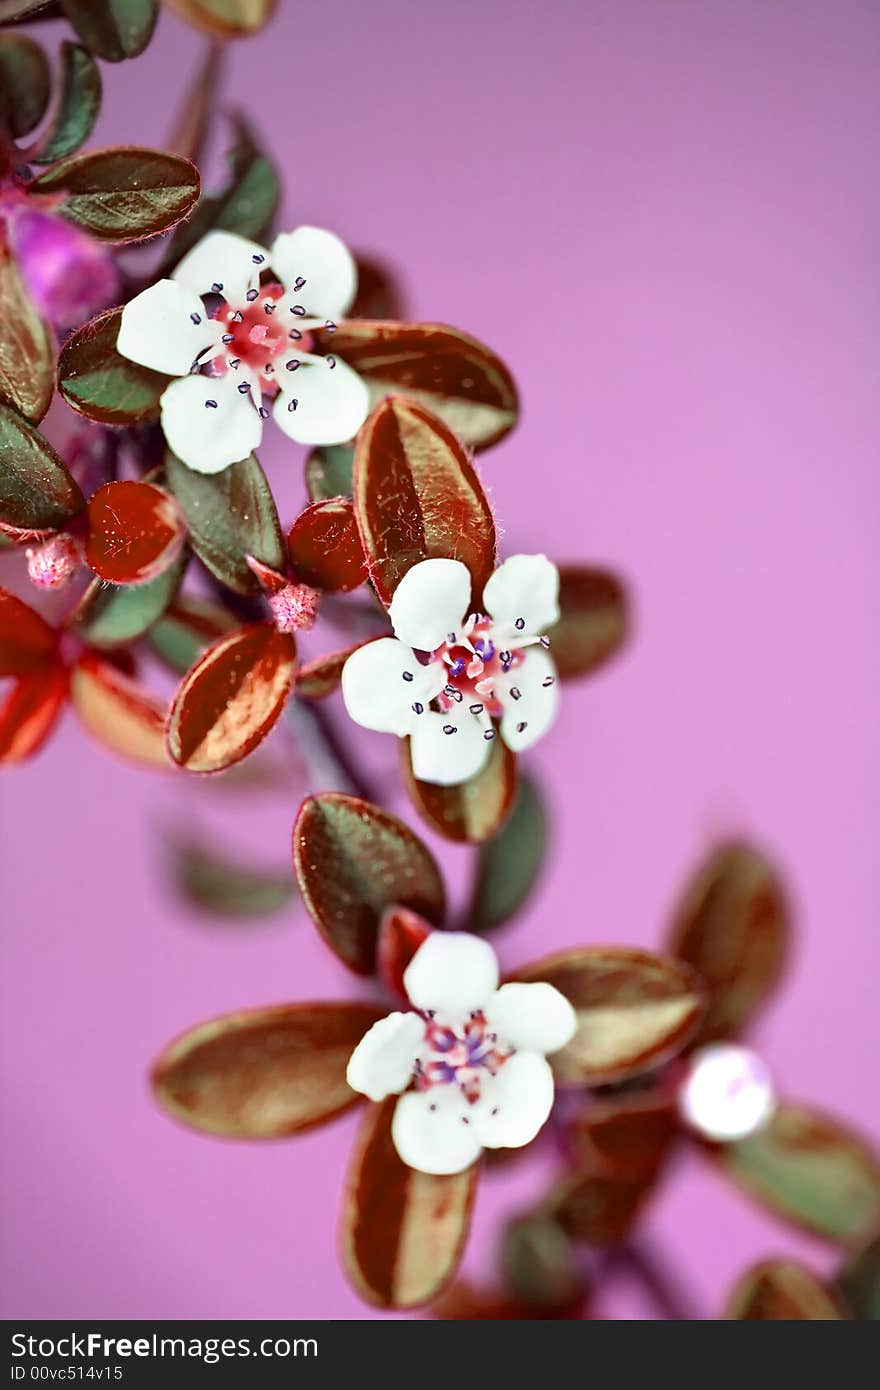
(295, 607)
(52, 564)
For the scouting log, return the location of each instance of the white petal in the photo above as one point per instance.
(383, 680)
(430, 602)
(524, 588)
(516, 1102)
(225, 260)
(326, 265)
(382, 1063)
(536, 1017)
(434, 1130)
(530, 696)
(165, 328)
(452, 973)
(331, 403)
(447, 749)
(205, 438)
(728, 1092)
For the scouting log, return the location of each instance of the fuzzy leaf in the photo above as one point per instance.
(353, 861)
(113, 29)
(230, 515)
(25, 84)
(263, 1073)
(403, 1232)
(136, 531)
(27, 354)
(321, 677)
(328, 472)
(469, 812)
(733, 927)
(782, 1291)
(509, 862)
(859, 1282)
(225, 19)
(29, 712)
(118, 712)
(417, 496)
(111, 615)
(626, 1135)
(811, 1169)
(79, 102)
(37, 492)
(635, 1010)
(325, 547)
(99, 383)
(401, 933)
(27, 642)
(192, 122)
(226, 705)
(122, 194)
(594, 622)
(187, 627)
(443, 370)
(224, 886)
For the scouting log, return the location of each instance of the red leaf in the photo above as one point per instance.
(30, 711)
(136, 531)
(469, 812)
(231, 698)
(118, 712)
(417, 497)
(27, 643)
(321, 677)
(325, 547)
(594, 620)
(401, 933)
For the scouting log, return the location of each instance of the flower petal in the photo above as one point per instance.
(331, 404)
(516, 1102)
(452, 972)
(325, 265)
(430, 602)
(382, 681)
(223, 263)
(525, 589)
(165, 328)
(537, 1017)
(434, 1131)
(529, 694)
(447, 749)
(382, 1063)
(208, 438)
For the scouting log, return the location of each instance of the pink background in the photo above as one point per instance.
(664, 216)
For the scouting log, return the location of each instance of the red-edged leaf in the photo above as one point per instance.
(509, 863)
(27, 353)
(30, 711)
(96, 381)
(353, 861)
(594, 622)
(115, 615)
(325, 547)
(733, 926)
(136, 530)
(401, 933)
(193, 118)
(322, 676)
(403, 1232)
(467, 1302)
(230, 515)
(225, 19)
(118, 712)
(27, 643)
(114, 29)
(635, 1010)
(231, 698)
(122, 194)
(379, 293)
(469, 812)
(225, 883)
(627, 1135)
(782, 1291)
(37, 493)
(417, 497)
(859, 1282)
(811, 1169)
(452, 374)
(539, 1264)
(77, 107)
(263, 1073)
(25, 84)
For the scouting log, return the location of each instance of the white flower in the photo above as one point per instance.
(727, 1093)
(445, 676)
(237, 339)
(469, 1064)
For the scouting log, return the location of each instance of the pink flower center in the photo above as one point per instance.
(473, 664)
(459, 1055)
(53, 563)
(256, 337)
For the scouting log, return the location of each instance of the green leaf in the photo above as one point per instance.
(122, 194)
(594, 622)
(859, 1282)
(37, 493)
(328, 472)
(113, 616)
(114, 29)
(539, 1263)
(510, 862)
(78, 105)
(25, 84)
(188, 628)
(227, 887)
(27, 353)
(225, 19)
(230, 515)
(811, 1169)
(99, 383)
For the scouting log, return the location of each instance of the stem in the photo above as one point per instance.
(359, 784)
(665, 1289)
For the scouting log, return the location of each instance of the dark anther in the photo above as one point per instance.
(217, 287)
(235, 361)
(295, 335)
(237, 317)
(244, 387)
(418, 708)
(268, 307)
(331, 361)
(292, 363)
(489, 735)
(298, 310)
(251, 296)
(515, 692)
(258, 260)
(521, 728)
(228, 337)
(476, 709)
(449, 729)
(196, 318)
(264, 414)
(292, 404)
(298, 283)
(210, 405)
(520, 624)
(330, 325)
(408, 676)
(548, 680)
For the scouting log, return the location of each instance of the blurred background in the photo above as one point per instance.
(664, 216)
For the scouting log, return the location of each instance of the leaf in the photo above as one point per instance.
(187, 627)
(322, 676)
(509, 862)
(263, 1073)
(417, 497)
(467, 1302)
(111, 615)
(782, 1291)
(136, 531)
(230, 515)
(122, 194)
(328, 472)
(599, 1208)
(29, 712)
(25, 84)
(439, 368)
(37, 492)
(401, 933)
(231, 698)
(594, 624)
(353, 861)
(114, 29)
(379, 293)
(27, 354)
(635, 1010)
(192, 121)
(626, 1135)
(226, 887)
(96, 381)
(325, 547)
(27, 642)
(403, 1232)
(118, 713)
(469, 812)
(733, 927)
(79, 102)
(859, 1282)
(811, 1169)
(225, 19)
(539, 1264)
